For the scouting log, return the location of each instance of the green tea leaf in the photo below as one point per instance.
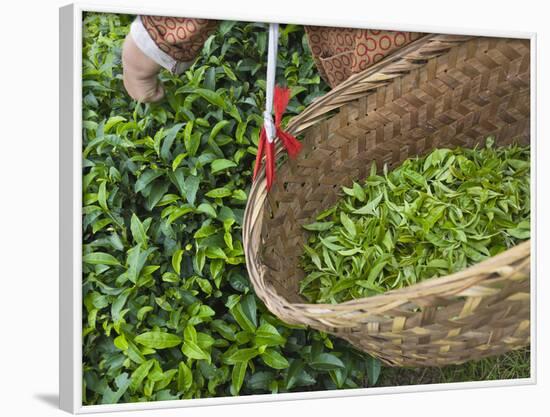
(215, 253)
(145, 179)
(237, 376)
(416, 178)
(260, 380)
(100, 258)
(268, 335)
(190, 188)
(158, 340)
(185, 377)
(120, 342)
(222, 164)
(348, 224)
(140, 373)
(138, 231)
(111, 397)
(373, 369)
(243, 319)
(375, 270)
(142, 311)
(211, 97)
(326, 362)
(169, 140)
(207, 209)
(243, 355)
(178, 160)
(274, 359)
(193, 351)
(319, 226)
(219, 193)
(192, 141)
(102, 196)
(217, 128)
(370, 207)
(113, 121)
(176, 260)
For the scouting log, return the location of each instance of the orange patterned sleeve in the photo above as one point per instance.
(173, 42)
(341, 52)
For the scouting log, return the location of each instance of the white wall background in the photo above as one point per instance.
(29, 200)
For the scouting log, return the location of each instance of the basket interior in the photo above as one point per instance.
(478, 88)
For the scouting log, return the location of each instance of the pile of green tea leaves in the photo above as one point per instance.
(429, 217)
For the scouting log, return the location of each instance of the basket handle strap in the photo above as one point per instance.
(272, 47)
(276, 102)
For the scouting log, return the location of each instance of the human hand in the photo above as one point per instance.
(140, 73)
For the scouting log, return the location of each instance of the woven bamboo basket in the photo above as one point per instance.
(440, 91)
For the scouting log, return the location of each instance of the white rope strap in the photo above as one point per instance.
(270, 80)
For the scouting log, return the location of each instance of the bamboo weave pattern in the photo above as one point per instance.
(440, 91)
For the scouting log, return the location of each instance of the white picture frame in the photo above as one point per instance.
(70, 214)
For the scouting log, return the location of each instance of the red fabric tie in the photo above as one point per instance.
(281, 97)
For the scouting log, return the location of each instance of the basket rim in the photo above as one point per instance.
(416, 54)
